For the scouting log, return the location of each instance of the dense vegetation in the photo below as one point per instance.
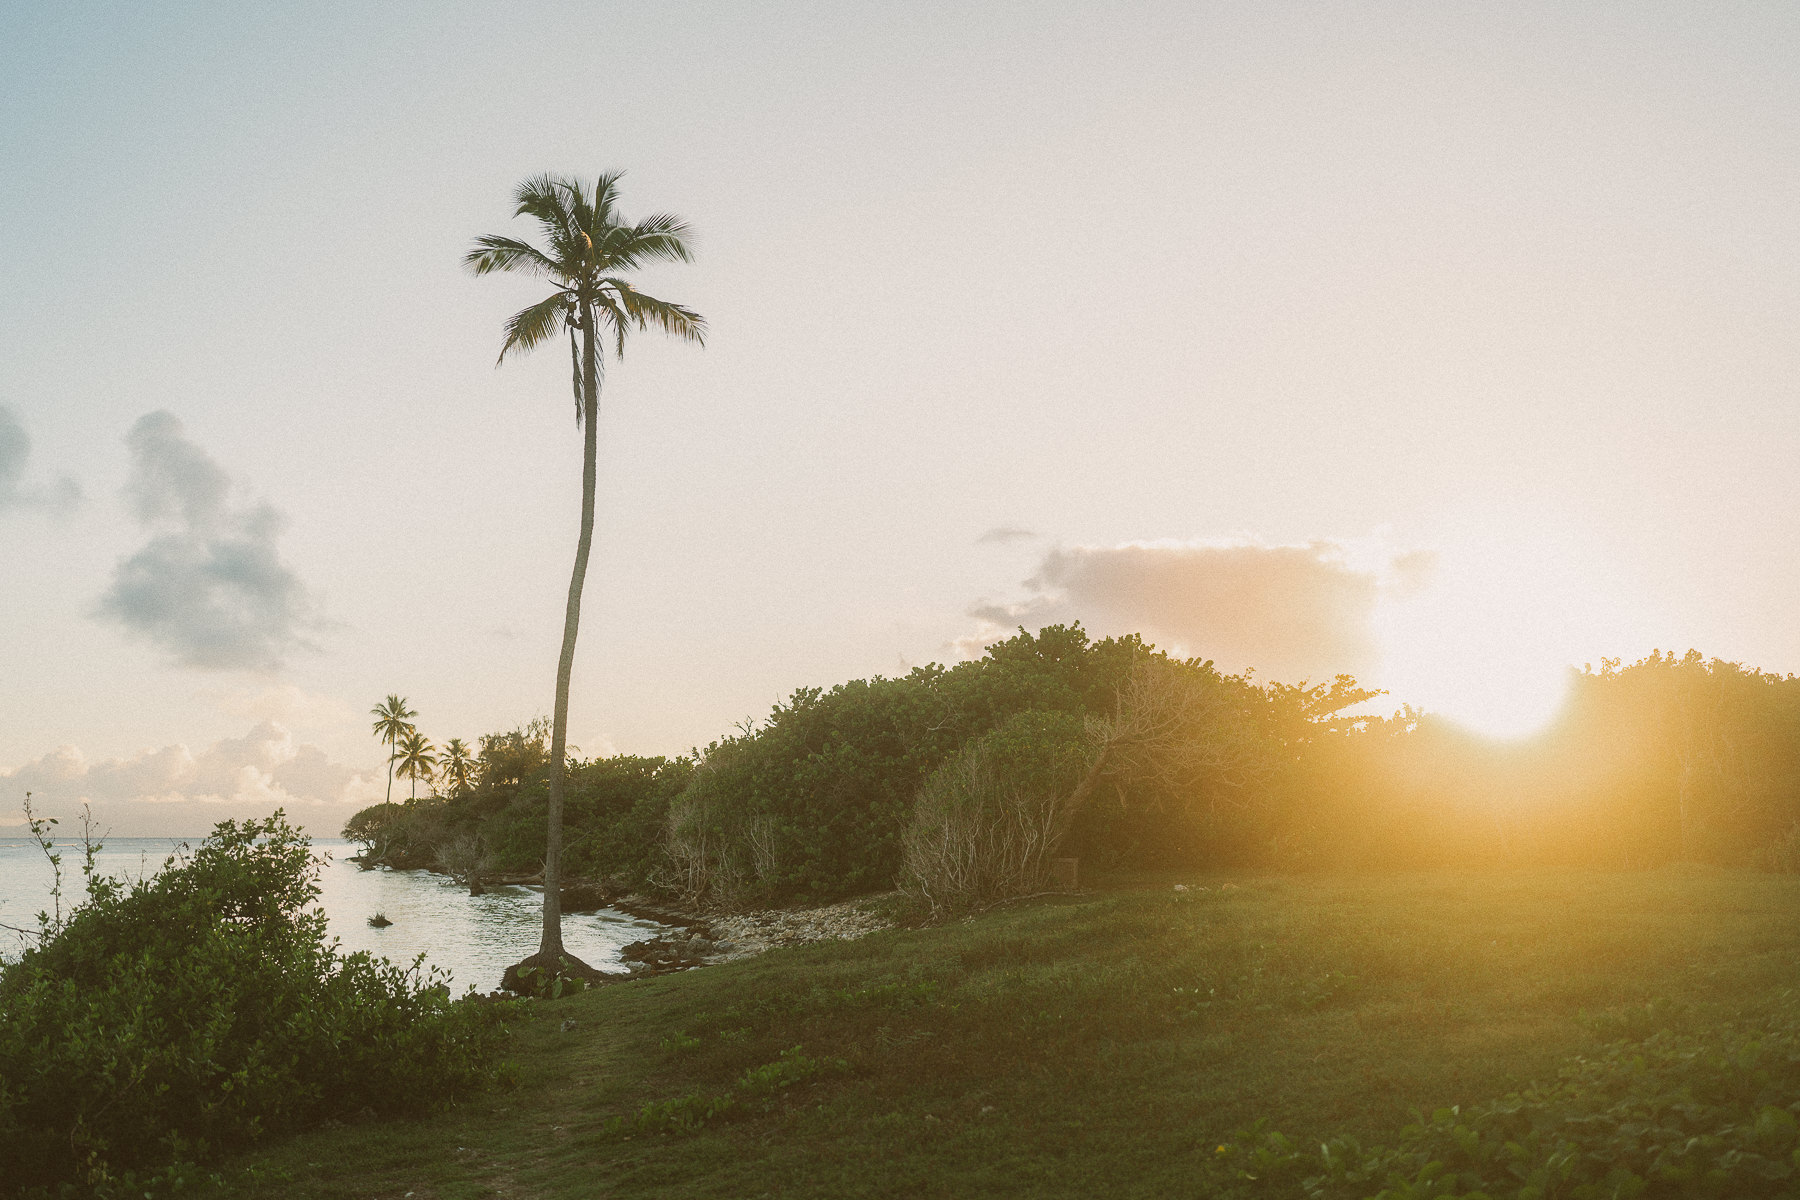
(167, 1019)
(1110, 1044)
(1123, 757)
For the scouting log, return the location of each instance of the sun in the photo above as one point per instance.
(1490, 639)
(1494, 690)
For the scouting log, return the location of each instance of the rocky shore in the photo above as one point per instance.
(713, 938)
(701, 938)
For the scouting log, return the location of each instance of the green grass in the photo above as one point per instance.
(1101, 1045)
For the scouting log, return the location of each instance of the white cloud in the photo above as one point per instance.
(176, 790)
(209, 587)
(1289, 612)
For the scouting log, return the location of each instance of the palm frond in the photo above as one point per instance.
(616, 319)
(663, 237)
(659, 238)
(585, 237)
(649, 312)
(606, 197)
(495, 253)
(529, 327)
(545, 197)
(575, 202)
(613, 241)
(391, 717)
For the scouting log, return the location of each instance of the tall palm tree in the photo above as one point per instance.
(458, 766)
(589, 249)
(417, 758)
(391, 721)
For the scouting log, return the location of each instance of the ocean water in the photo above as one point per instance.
(474, 938)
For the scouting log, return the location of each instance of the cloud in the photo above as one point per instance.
(1003, 534)
(209, 587)
(1289, 612)
(57, 497)
(176, 790)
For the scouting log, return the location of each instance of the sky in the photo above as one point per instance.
(1446, 345)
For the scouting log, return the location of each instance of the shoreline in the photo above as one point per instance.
(697, 938)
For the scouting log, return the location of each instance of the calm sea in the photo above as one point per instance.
(472, 937)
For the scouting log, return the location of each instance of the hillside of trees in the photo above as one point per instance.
(962, 783)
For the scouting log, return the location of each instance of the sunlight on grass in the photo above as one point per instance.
(1100, 1045)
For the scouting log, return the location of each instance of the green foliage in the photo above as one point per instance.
(1037, 1050)
(375, 827)
(754, 1089)
(201, 1009)
(814, 803)
(1671, 758)
(1665, 759)
(1671, 1116)
(794, 1066)
(615, 810)
(415, 758)
(541, 984)
(680, 1114)
(987, 819)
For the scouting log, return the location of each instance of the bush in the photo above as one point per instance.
(718, 853)
(816, 802)
(987, 820)
(172, 1018)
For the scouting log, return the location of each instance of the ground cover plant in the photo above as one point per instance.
(168, 1019)
(1668, 1115)
(1110, 1044)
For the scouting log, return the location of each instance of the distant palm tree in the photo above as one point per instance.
(458, 766)
(590, 248)
(417, 758)
(391, 717)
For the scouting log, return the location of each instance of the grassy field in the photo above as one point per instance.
(1082, 1046)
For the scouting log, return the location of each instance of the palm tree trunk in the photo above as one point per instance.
(390, 792)
(559, 728)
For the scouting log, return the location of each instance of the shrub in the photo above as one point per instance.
(465, 858)
(376, 827)
(174, 1017)
(717, 852)
(986, 821)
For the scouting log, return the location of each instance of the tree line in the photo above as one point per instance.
(963, 783)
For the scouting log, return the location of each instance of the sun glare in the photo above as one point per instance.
(1488, 641)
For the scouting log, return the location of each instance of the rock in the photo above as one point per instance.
(583, 897)
(638, 951)
(662, 954)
